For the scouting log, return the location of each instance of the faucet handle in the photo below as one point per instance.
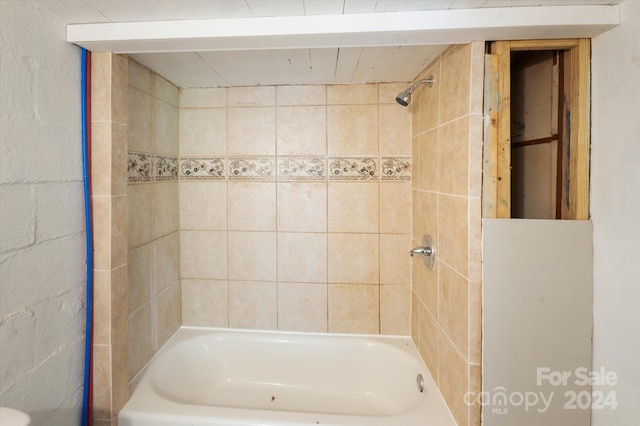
(426, 250)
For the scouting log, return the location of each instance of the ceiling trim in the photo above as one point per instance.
(351, 30)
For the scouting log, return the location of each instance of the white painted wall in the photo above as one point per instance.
(615, 209)
(42, 260)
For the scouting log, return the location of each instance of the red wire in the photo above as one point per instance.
(88, 130)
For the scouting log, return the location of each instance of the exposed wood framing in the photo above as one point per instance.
(574, 127)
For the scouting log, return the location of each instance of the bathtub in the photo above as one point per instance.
(222, 377)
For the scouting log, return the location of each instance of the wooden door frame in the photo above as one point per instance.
(497, 151)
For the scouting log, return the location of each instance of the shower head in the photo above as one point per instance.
(404, 97)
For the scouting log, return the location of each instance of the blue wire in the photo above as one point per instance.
(88, 233)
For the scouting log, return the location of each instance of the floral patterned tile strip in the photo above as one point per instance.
(302, 168)
(139, 167)
(166, 168)
(353, 169)
(202, 169)
(251, 169)
(396, 168)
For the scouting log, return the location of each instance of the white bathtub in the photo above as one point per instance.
(225, 377)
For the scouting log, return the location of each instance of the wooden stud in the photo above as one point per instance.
(503, 187)
(579, 132)
(490, 154)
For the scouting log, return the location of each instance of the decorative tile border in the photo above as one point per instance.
(202, 169)
(344, 168)
(302, 168)
(139, 167)
(252, 168)
(166, 168)
(396, 168)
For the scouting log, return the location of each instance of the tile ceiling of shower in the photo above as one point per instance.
(336, 65)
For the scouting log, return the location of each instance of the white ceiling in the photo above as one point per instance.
(334, 63)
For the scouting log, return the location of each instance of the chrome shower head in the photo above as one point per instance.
(404, 97)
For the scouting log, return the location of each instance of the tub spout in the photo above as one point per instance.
(421, 251)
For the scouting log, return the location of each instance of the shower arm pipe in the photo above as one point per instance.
(413, 87)
(85, 103)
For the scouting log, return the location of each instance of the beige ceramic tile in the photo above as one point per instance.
(352, 94)
(102, 381)
(139, 77)
(167, 261)
(475, 387)
(395, 207)
(252, 256)
(415, 318)
(169, 313)
(203, 254)
(353, 258)
(428, 347)
(455, 81)
(101, 422)
(302, 207)
(301, 95)
(352, 130)
(477, 77)
(475, 239)
(454, 379)
(395, 309)
(165, 91)
(252, 96)
(140, 270)
(302, 258)
(302, 130)
(475, 155)
(102, 231)
(253, 305)
(454, 307)
(139, 125)
(203, 132)
(119, 88)
(430, 98)
(102, 307)
(118, 159)
(428, 285)
(140, 347)
(203, 205)
(353, 207)
(395, 262)
(353, 309)
(252, 131)
(425, 165)
(395, 130)
(389, 91)
(252, 206)
(475, 321)
(165, 128)
(302, 307)
(453, 157)
(101, 86)
(453, 232)
(415, 118)
(119, 231)
(208, 97)
(425, 219)
(205, 303)
(166, 209)
(140, 204)
(101, 159)
(119, 301)
(120, 376)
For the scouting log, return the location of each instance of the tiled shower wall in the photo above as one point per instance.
(447, 136)
(295, 208)
(152, 195)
